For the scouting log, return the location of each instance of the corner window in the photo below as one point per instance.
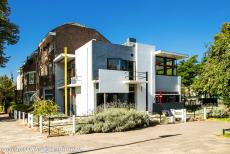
(114, 64)
(166, 66)
(119, 64)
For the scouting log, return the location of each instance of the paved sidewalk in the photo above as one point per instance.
(185, 138)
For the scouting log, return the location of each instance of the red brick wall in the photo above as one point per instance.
(73, 37)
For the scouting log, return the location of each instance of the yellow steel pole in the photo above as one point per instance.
(65, 80)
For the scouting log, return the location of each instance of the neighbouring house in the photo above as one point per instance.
(133, 74)
(27, 78)
(38, 72)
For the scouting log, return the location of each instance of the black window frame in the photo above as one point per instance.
(166, 66)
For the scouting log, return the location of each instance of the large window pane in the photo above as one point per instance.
(169, 71)
(169, 61)
(159, 61)
(113, 64)
(160, 70)
(119, 64)
(165, 66)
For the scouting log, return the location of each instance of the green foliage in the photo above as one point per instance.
(100, 108)
(8, 31)
(188, 70)
(218, 113)
(45, 108)
(226, 102)
(214, 77)
(114, 120)
(19, 107)
(6, 89)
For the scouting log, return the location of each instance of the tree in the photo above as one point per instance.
(188, 70)
(6, 89)
(9, 32)
(214, 76)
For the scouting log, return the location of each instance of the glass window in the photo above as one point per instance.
(169, 61)
(119, 64)
(169, 71)
(124, 65)
(165, 66)
(113, 64)
(49, 94)
(168, 99)
(160, 70)
(159, 61)
(31, 78)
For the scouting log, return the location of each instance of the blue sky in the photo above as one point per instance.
(184, 26)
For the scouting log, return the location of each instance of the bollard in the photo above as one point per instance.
(19, 115)
(49, 126)
(74, 124)
(205, 113)
(32, 121)
(40, 124)
(15, 114)
(185, 115)
(28, 119)
(23, 116)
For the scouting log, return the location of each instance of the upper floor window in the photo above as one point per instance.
(166, 66)
(30, 78)
(119, 64)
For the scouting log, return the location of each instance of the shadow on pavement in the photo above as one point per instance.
(5, 118)
(120, 145)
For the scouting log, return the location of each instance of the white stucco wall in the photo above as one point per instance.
(168, 83)
(112, 81)
(144, 63)
(19, 82)
(83, 60)
(59, 78)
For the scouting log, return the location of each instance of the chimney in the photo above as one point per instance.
(131, 40)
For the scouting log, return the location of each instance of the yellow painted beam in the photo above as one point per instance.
(65, 81)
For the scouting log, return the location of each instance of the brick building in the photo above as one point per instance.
(38, 71)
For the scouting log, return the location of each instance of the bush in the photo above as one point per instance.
(19, 107)
(114, 120)
(218, 113)
(45, 107)
(226, 101)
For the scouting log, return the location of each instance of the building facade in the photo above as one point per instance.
(38, 71)
(131, 74)
(100, 73)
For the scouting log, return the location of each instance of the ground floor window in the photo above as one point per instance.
(48, 94)
(116, 99)
(27, 97)
(167, 98)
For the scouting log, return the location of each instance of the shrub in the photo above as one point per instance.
(114, 120)
(19, 107)
(226, 101)
(218, 113)
(45, 107)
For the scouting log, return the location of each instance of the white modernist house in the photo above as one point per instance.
(132, 74)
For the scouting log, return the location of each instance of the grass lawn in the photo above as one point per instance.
(227, 135)
(220, 119)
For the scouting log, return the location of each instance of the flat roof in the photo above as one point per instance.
(60, 58)
(170, 54)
